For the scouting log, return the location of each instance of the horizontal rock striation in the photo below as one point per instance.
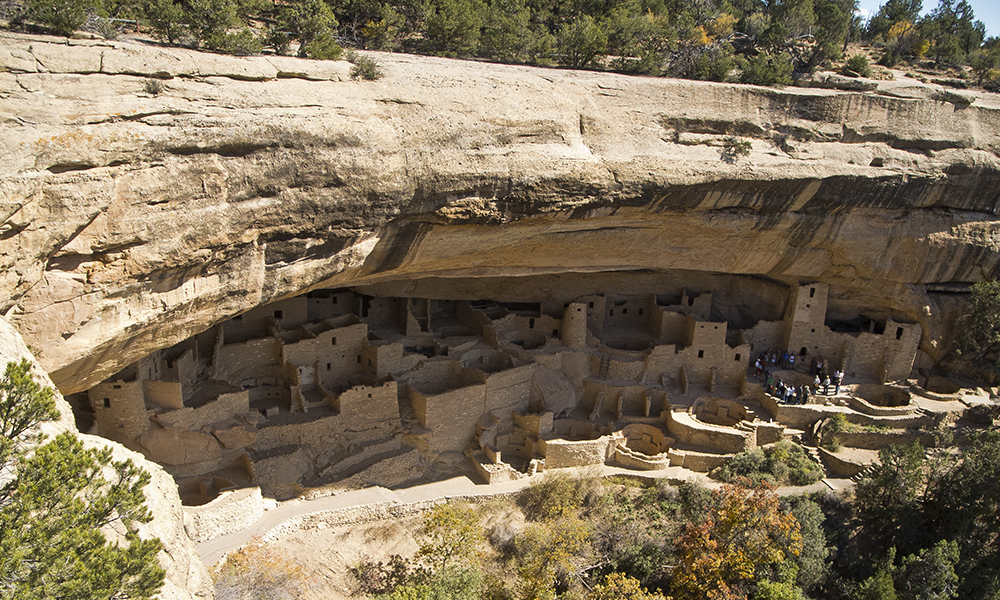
(134, 219)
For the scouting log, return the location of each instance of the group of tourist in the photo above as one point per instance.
(786, 393)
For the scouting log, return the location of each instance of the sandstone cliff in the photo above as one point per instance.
(132, 220)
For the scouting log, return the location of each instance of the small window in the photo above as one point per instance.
(691, 301)
(107, 403)
(737, 358)
(531, 323)
(333, 341)
(328, 366)
(640, 312)
(624, 311)
(555, 332)
(813, 330)
(414, 303)
(612, 313)
(279, 314)
(170, 364)
(581, 310)
(807, 306)
(716, 327)
(359, 359)
(802, 351)
(369, 395)
(812, 292)
(117, 387)
(334, 300)
(369, 362)
(591, 305)
(899, 333)
(701, 354)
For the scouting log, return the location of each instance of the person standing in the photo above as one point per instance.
(838, 378)
(826, 385)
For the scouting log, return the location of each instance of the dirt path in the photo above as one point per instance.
(213, 550)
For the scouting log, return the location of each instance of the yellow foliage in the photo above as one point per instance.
(619, 586)
(900, 28)
(721, 26)
(548, 549)
(745, 530)
(699, 37)
(920, 48)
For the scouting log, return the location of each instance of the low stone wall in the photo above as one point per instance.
(223, 407)
(686, 430)
(841, 467)
(231, 511)
(769, 433)
(561, 453)
(876, 440)
(363, 454)
(699, 462)
(629, 459)
(863, 406)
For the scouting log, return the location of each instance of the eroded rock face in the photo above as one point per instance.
(133, 221)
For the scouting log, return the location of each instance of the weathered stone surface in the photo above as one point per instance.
(176, 446)
(235, 437)
(186, 576)
(133, 221)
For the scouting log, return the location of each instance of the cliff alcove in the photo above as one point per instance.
(527, 264)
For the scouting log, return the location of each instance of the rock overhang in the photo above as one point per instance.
(134, 221)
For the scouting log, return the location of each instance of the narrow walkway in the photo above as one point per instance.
(212, 551)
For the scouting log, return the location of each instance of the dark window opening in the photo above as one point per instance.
(333, 341)
(899, 333)
(369, 395)
(369, 362)
(359, 359)
(813, 330)
(691, 301)
(701, 354)
(802, 351)
(812, 292)
(640, 312)
(737, 358)
(531, 323)
(555, 332)
(328, 365)
(170, 364)
(591, 304)
(279, 314)
(107, 403)
(612, 313)
(807, 306)
(117, 387)
(624, 311)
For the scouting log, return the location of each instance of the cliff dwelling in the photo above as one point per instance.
(335, 386)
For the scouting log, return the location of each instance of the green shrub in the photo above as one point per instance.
(364, 67)
(324, 47)
(764, 69)
(783, 463)
(714, 64)
(63, 17)
(859, 64)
